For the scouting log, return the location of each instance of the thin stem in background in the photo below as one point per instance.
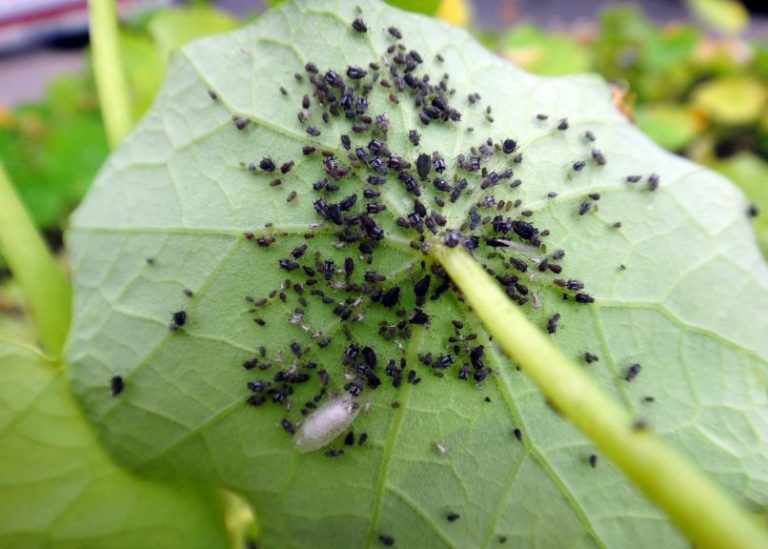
(46, 289)
(110, 79)
(702, 510)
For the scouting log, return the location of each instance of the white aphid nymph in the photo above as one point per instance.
(326, 423)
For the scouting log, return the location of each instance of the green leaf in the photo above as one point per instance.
(170, 29)
(543, 52)
(723, 15)
(429, 7)
(688, 304)
(43, 149)
(732, 101)
(671, 126)
(144, 69)
(144, 51)
(58, 488)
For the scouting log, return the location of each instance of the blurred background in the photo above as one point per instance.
(693, 75)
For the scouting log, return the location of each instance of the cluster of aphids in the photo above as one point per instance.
(514, 252)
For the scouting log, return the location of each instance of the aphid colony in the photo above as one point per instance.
(501, 232)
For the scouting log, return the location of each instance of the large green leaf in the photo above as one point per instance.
(680, 288)
(59, 489)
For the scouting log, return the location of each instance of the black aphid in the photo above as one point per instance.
(584, 207)
(390, 297)
(178, 319)
(356, 73)
(116, 385)
(509, 146)
(369, 357)
(438, 162)
(349, 440)
(349, 266)
(481, 374)
(598, 157)
(653, 182)
(633, 178)
(288, 264)
(334, 452)
(395, 32)
(518, 434)
(267, 164)
(265, 241)
(414, 137)
(589, 358)
(240, 122)
(419, 317)
(579, 165)
(256, 400)
(753, 210)
(524, 230)
(593, 460)
(314, 132)
(552, 323)
(422, 286)
(286, 167)
(187, 292)
(362, 438)
(295, 349)
(386, 540)
(452, 238)
(359, 25)
(452, 516)
(287, 426)
(308, 149)
(632, 372)
(584, 298)
(563, 124)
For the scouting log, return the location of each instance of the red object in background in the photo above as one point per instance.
(31, 22)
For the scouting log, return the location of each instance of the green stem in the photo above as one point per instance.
(110, 80)
(45, 287)
(698, 506)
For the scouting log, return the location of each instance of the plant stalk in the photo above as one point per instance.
(46, 290)
(110, 79)
(700, 508)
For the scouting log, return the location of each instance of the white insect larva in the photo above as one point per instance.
(326, 423)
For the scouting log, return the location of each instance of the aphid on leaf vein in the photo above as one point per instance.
(326, 423)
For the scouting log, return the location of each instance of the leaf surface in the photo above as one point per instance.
(58, 488)
(680, 288)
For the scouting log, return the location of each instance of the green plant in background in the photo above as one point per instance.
(700, 96)
(180, 256)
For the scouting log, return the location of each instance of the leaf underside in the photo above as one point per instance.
(678, 288)
(59, 489)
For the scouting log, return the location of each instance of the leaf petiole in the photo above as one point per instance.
(45, 287)
(702, 511)
(110, 79)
